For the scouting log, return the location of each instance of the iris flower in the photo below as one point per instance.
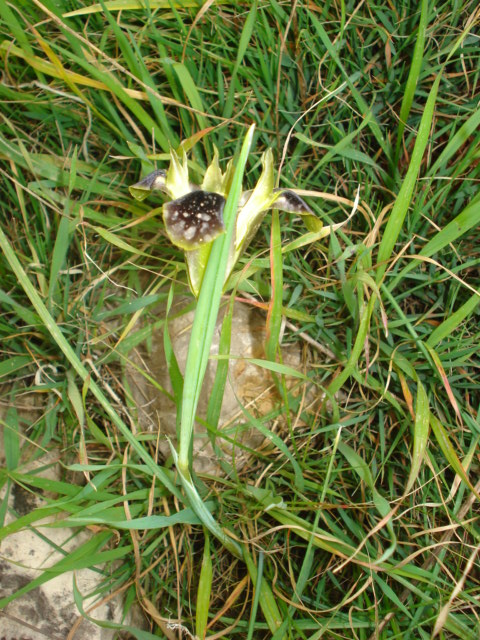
(193, 214)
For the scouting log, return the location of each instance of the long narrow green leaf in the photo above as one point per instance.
(381, 504)
(268, 602)
(59, 255)
(201, 510)
(359, 344)
(11, 439)
(175, 375)
(130, 5)
(204, 590)
(16, 28)
(110, 518)
(274, 317)
(415, 67)
(404, 197)
(207, 309)
(391, 595)
(420, 435)
(268, 434)
(191, 91)
(137, 66)
(10, 365)
(218, 388)
(256, 598)
(118, 242)
(27, 315)
(459, 226)
(200, 342)
(274, 367)
(113, 84)
(342, 148)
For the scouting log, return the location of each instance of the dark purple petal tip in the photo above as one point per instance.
(195, 219)
(154, 181)
(289, 201)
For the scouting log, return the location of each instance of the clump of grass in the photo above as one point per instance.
(362, 523)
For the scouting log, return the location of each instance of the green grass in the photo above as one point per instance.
(364, 523)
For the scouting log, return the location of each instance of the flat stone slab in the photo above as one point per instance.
(48, 612)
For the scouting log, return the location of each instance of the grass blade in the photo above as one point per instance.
(362, 105)
(204, 591)
(404, 197)
(268, 603)
(86, 555)
(256, 598)
(274, 316)
(420, 435)
(415, 67)
(59, 254)
(359, 344)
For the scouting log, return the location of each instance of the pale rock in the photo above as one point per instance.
(248, 384)
(49, 611)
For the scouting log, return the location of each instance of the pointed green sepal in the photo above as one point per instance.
(177, 184)
(213, 178)
(253, 211)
